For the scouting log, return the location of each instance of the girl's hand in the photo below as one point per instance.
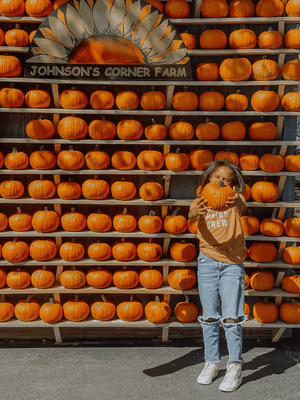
(236, 201)
(199, 209)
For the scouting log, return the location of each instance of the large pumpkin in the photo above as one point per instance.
(181, 131)
(43, 249)
(38, 8)
(235, 69)
(242, 39)
(269, 8)
(129, 129)
(175, 224)
(123, 190)
(183, 252)
(99, 278)
(289, 312)
(149, 252)
(264, 192)
(42, 278)
(37, 98)
(150, 160)
(291, 283)
(15, 251)
(157, 311)
(20, 221)
(45, 221)
(214, 8)
(125, 278)
(76, 310)
(12, 8)
(99, 222)
(264, 70)
(292, 8)
(124, 222)
(150, 278)
(271, 162)
(73, 221)
(153, 100)
(265, 311)
(200, 159)
(99, 251)
(186, 311)
(262, 252)
(11, 189)
(70, 159)
(182, 279)
(150, 223)
(262, 131)
(102, 100)
(42, 159)
(292, 227)
(18, 279)
(73, 99)
(213, 39)
(250, 224)
(73, 278)
(16, 160)
(264, 100)
(262, 280)
(241, 9)
(177, 161)
(102, 130)
(211, 101)
(41, 188)
(151, 191)
(72, 128)
(71, 251)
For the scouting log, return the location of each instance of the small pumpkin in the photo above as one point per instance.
(261, 280)
(16, 37)
(11, 97)
(183, 252)
(213, 39)
(125, 278)
(211, 101)
(10, 66)
(292, 227)
(123, 190)
(99, 278)
(214, 8)
(69, 190)
(207, 71)
(250, 224)
(264, 192)
(181, 131)
(291, 283)
(177, 161)
(264, 70)
(149, 251)
(103, 310)
(217, 194)
(231, 156)
(151, 191)
(269, 8)
(18, 279)
(20, 221)
(150, 223)
(150, 160)
(73, 221)
(72, 128)
(7, 309)
(124, 250)
(264, 100)
(51, 312)
(175, 224)
(265, 311)
(130, 310)
(292, 8)
(3, 222)
(41, 188)
(241, 9)
(271, 162)
(155, 131)
(42, 159)
(99, 251)
(95, 159)
(242, 39)
(207, 130)
(27, 310)
(127, 100)
(249, 162)
(271, 227)
(291, 38)
(200, 159)
(157, 311)
(11, 189)
(129, 129)
(291, 255)
(234, 130)
(289, 312)
(37, 98)
(262, 253)
(95, 189)
(235, 69)
(189, 40)
(186, 311)
(150, 278)
(73, 278)
(236, 102)
(42, 278)
(15, 251)
(153, 100)
(102, 100)
(182, 279)
(16, 160)
(123, 160)
(291, 101)
(40, 129)
(124, 222)
(99, 222)
(270, 39)
(262, 131)
(71, 251)
(70, 159)
(102, 130)
(177, 9)
(73, 99)
(38, 8)
(292, 162)
(12, 8)
(76, 310)
(43, 249)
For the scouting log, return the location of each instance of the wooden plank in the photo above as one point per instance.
(279, 276)
(197, 8)
(165, 334)
(277, 333)
(57, 334)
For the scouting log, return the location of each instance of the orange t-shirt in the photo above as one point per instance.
(221, 235)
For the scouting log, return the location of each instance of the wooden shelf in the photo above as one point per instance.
(129, 172)
(88, 263)
(275, 292)
(157, 142)
(135, 234)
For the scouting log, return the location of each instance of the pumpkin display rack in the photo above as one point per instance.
(178, 186)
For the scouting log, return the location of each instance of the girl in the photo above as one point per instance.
(221, 274)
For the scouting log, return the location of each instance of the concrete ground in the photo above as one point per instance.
(142, 369)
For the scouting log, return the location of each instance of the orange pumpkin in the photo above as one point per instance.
(99, 222)
(236, 102)
(151, 191)
(247, 280)
(189, 40)
(186, 311)
(42, 159)
(291, 38)
(183, 252)
(99, 251)
(72, 128)
(157, 4)
(177, 9)
(102, 130)
(182, 279)
(291, 255)
(45, 221)
(73, 221)
(174, 223)
(10, 66)
(207, 130)
(269, 8)
(214, 8)
(265, 311)
(291, 70)
(249, 162)
(95, 159)
(271, 227)
(3, 222)
(264, 100)
(129, 129)
(11, 97)
(235, 69)
(43, 249)
(70, 159)
(271, 162)
(149, 252)
(16, 37)
(292, 8)
(102, 100)
(234, 130)
(130, 310)
(262, 131)
(42, 278)
(264, 192)
(231, 156)
(292, 227)
(15, 251)
(211, 101)
(125, 278)
(37, 98)
(71, 251)
(270, 39)
(153, 100)
(241, 9)
(20, 221)
(213, 39)
(16, 160)
(124, 222)
(242, 39)
(11, 189)
(73, 99)
(181, 131)
(291, 283)
(207, 71)
(217, 194)
(69, 190)
(123, 160)
(73, 278)
(291, 101)
(76, 310)
(51, 312)
(292, 162)
(27, 310)
(41, 188)
(99, 278)
(40, 129)
(200, 159)
(262, 280)
(150, 278)
(127, 100)
(12, 8)
(38, 8)
(185, 101)
(264, 70)
(124, 250)
(262, 252)
(250, 224)
(123, 190)
(155, 131)
(157, 311)
(95, 189)
(18, 279)
(289, 312)
(150, 160)
(7, 310)
(103, 310)
(177, 161)
(150, 223)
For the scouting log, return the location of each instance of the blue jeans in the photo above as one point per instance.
(221, 285)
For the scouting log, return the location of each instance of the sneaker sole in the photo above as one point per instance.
(232, 390)
(208, 383)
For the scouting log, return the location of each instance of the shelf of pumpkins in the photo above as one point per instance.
(218, 107)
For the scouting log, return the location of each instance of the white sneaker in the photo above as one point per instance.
(209, 372)
(233, 377)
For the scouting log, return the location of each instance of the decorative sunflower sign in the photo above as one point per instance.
(107, 39)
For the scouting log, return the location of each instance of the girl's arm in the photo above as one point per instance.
(238, 202)
(198, 208)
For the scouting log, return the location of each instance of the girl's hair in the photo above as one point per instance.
(238, 180)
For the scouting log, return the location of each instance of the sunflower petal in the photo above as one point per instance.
(145, 26)
(172, 57)
(101, 15)
(132, 17)
(74, 22)
(51, 48)
(61, 32)
(117, 14)
(163, 45)
(87, 17)
(45, 59)
(154, 37)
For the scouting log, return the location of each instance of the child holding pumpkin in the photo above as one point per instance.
(220, 267)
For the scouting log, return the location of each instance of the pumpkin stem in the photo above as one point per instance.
(124, 268)
(206, 119)
(73, 268)
(11, 85)
(266, 300)
(103, 117)
(18, 270)
(124, 212)
(175, 212)
(151, 213)
(99, 268)
(122, 240)
(14, 150)
(96, 176)
(70, 148)
(41, 177)
(153, 121)
(187, 300)
(42, 148)
(103, 298)
(76, 298)
(98, 211)
(45, 208)
(19, 210)
(73, 240)
(221, 183)
(2, 298)
(177, 150)
(242, 26)
(73, 209)
(157, 299)
(51, 301)
(96, 147)
(28, 298)
(69, 179)
(15, 239)
(185, 89)
(17, 26)
(131, 298)
(44, 267)
(40, 117)
(152, 88)
(292, 301)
